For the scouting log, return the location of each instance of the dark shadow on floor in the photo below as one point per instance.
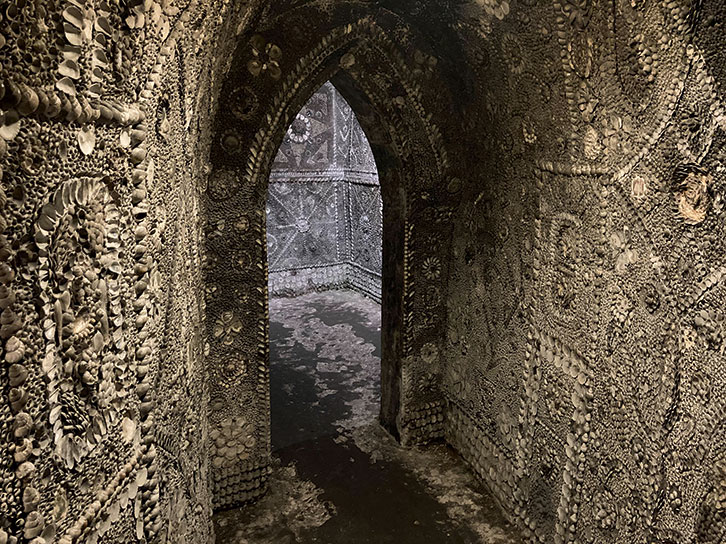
(338, 476)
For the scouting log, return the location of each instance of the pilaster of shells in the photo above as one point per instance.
(142, 175)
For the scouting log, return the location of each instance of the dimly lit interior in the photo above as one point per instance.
(362, 271)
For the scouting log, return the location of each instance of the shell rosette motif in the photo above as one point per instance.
(266, 58)
(692, 192)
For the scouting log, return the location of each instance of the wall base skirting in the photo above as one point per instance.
(482, 454)
(423, 425)
(290, 283)
(238, 485)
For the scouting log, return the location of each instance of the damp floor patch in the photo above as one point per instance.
(338, 477)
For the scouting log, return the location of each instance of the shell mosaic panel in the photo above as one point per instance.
(324, 227)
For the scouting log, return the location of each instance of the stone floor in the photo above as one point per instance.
(338, 476)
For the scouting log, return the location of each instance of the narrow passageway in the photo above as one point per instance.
(337, 475)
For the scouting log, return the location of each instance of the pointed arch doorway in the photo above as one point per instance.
(255, 113)
(324, 219)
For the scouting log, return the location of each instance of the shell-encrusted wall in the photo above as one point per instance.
(102, 325)
(584, 369)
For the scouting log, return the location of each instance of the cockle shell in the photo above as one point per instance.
(9, 125)
(87, 139)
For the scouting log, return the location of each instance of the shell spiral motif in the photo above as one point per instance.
(77, 235)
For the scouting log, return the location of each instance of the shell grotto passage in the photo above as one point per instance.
(363, 271)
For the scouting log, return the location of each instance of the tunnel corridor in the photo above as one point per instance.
(337, 475)
(499, 320)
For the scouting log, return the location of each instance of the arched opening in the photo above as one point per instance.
(255, 113)
(324, 206)
(334, 475)
(324, 247)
